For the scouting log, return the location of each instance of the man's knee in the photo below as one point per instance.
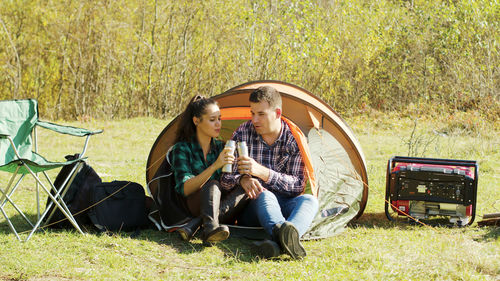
(310, 200)
(266, 195)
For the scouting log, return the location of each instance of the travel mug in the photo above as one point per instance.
(242, 149)
(228, 168)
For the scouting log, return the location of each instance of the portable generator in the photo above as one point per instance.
(419, 188)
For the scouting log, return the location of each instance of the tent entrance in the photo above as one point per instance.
(340, 187)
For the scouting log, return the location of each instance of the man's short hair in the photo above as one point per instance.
(266, 93)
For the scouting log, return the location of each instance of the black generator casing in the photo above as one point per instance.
(423, 187)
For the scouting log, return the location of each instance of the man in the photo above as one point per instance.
(273, 176)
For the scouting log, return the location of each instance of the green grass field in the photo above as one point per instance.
(371, 248)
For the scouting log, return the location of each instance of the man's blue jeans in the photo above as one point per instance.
(270, 209)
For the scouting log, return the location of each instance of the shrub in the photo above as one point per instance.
(136, 58)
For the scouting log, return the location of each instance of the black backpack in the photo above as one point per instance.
(77, 196)
(118, 206)
(109, 206)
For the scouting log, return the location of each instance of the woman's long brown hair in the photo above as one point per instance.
(195, 108)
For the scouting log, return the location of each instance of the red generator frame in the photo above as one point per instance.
(423, 187)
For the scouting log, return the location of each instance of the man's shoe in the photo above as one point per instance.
(267, 248)
(290, 241)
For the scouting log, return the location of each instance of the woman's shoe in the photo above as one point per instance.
(216, 234)
(210, 202)
(188, 231)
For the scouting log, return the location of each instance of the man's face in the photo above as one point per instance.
(264, 117)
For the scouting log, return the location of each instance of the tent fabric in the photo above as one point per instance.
(337, 158)
(341, 187)
(17, 120)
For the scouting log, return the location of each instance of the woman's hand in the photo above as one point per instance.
(225, 157)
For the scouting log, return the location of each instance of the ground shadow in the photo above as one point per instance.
(380, 220)
(236, 246)
(23, 228)
(20, 224)
(492, 234)
(377, 220)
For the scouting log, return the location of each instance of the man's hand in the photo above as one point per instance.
(251, 186)
(248, 166)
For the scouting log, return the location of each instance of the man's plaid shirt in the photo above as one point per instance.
(282, 158)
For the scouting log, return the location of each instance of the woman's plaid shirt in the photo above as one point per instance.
(187, 161)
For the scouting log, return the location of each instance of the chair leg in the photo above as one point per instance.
(58, 194)
(8, 193)
(8, 187)
(55, 200)
(35, 146)
(37, 200)
(6, 198)
(10, 223)
(64, 187)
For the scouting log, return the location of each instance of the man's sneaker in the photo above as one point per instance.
(290, 241)
(267, 248)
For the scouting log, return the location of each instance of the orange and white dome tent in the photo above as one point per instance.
(338, 161)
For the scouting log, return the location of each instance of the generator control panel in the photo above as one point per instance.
(431, 184)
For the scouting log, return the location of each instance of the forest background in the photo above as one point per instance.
(122, 59)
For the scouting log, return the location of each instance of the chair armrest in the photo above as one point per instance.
(74, 131)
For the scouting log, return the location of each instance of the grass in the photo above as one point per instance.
(370, 249)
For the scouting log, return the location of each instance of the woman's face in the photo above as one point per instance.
(209, 123)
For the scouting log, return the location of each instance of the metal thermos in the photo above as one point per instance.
(228, 168)
(242, 149)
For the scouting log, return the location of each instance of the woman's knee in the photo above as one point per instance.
(212, 183)
(211, 186)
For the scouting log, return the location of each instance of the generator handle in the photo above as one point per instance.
(387, 189)
(474, 190)
(437, 161)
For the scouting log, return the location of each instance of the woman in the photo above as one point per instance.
(196, 160)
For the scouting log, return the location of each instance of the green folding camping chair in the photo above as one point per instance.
(18, 122)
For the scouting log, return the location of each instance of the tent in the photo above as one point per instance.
(338, 161)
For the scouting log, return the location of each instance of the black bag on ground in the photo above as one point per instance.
(118, 206)
(77, 196)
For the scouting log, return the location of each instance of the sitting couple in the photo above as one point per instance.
(265, 189)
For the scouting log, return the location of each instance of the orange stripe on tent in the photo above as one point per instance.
(301, 140)
(235, 113)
